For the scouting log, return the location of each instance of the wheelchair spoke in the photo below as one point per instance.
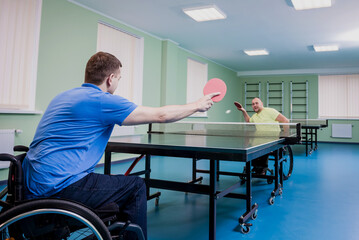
(41, 221)
(287, 162)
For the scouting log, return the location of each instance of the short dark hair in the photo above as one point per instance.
(99, 66)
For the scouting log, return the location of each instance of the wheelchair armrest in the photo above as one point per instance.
(21, 148)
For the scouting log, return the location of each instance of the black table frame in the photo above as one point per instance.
(211, 190)
(310, 137)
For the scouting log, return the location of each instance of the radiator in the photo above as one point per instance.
(342, 130)
(7, 137)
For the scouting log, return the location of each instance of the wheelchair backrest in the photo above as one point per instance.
(15, 181)
(15, 178)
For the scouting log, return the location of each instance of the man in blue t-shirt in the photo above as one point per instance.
(72, 136)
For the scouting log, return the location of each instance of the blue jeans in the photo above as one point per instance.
(96, 190)
(261, 162)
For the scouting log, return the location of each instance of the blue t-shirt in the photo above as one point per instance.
(71, 138)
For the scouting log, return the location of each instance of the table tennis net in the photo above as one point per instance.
(227, 129)
(308, 122)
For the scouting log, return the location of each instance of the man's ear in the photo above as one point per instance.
(110, 79)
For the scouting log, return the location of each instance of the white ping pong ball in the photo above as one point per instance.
(228, 111)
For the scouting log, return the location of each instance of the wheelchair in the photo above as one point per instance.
(54, 218)
(288, 164)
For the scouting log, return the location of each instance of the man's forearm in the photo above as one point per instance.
(170, 113)
(174, 113)
(246, 116)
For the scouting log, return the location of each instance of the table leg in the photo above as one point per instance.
(148, 177)
(251, 211)
(107, 164)
(311, 141)
(194, 169)
(306, 142)
(212, 199)
(248, 186)
(277, 186)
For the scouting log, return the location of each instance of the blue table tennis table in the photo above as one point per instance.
(212, 145)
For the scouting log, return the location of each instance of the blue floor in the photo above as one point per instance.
(320, 200)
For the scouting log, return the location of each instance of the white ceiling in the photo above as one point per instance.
(250, 24)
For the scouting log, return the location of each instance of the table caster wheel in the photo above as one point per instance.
(245, 228)
(255, 214)
(271, 200)
(157, 201)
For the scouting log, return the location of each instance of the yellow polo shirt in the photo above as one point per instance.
(267, 115)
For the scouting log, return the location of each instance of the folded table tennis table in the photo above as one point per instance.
(211, 144)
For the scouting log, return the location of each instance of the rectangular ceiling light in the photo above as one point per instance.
(309, 4)
(256, 52)
(205, 13)
(325, 48)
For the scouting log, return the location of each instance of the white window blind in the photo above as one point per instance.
(353, 95)
(19, 43)
(129, 50)
(338, 96)
(197, 74)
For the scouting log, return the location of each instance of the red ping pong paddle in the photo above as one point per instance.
(215, 85)
(238, 105)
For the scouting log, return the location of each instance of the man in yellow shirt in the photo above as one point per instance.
(263, 115)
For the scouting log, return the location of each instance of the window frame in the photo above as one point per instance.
(18, 82)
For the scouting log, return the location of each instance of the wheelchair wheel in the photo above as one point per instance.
(287, 162)
(51, 219)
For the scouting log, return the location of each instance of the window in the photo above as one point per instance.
(338, 96)
(197, 75)
(19, 44)
(128, 49)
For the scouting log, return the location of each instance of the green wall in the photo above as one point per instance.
(324, 134)
(68, 38)
(286, 79)
(174, 77)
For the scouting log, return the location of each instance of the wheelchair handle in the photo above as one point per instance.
(5, 157)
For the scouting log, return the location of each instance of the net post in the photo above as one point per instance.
(299, 131)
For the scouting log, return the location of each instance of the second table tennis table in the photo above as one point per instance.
(236, 146)
(310, 132)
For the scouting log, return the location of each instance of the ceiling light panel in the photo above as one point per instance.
(258, 52)
(325, 48)
(310, 4)
(205, 13)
